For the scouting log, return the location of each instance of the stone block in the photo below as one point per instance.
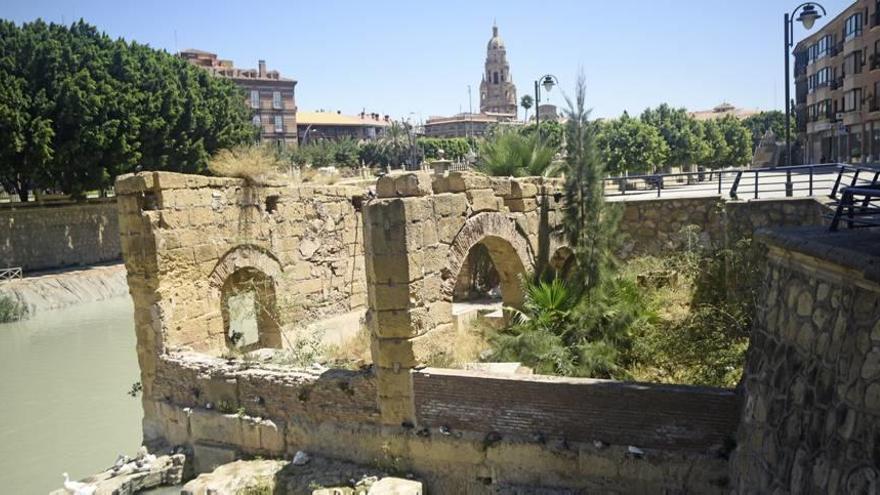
(215, 427)
(395, 354)
(450, 205)
(395, 486)
(397, 410)
(394, 268)
(404, 185)
(501, 186)
(392, 384)
(463, 181)
(483, 200)
(521, 205)
(207, 458)
(388, 296)
(448, 228)
(404, 323)
(520, 190)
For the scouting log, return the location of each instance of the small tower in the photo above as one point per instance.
(497, 91)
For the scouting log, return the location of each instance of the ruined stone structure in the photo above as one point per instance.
(190, 243)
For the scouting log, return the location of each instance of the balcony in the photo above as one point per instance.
(875, 19)
(874, 61)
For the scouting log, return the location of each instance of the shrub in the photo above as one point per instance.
(10, 309)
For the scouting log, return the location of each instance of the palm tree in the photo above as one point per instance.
(526, 102)
(396, 142)
(509, 153)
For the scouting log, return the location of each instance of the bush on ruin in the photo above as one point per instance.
(255, 163)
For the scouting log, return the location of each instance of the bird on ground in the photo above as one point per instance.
(78, 487)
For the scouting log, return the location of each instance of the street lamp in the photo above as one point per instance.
(807, 17)
(548, 81)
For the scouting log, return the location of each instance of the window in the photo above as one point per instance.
(853, 63)
(495, 77)
(276, 100)
(852, 100)
(279, 124)
(853, 26)
(855, 141)
(255, 98)
(257, 121)
(821, 78)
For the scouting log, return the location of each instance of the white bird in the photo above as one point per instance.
(77, 487)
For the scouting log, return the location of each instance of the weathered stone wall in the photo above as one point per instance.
(475, 433)
(43, 237)
(811, 386)
(184, 236)
(653, 226)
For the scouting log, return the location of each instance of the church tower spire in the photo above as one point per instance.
(497, 91)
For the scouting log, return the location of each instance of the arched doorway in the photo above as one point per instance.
(249, 309)
(487, 259)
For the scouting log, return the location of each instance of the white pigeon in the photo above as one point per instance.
(77, 487)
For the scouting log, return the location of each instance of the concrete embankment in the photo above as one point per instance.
(59, 289)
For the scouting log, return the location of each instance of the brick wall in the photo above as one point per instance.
(44, 237)
(581, 410)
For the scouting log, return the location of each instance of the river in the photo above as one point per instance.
(64, 407)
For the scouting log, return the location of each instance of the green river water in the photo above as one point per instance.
(64, 378)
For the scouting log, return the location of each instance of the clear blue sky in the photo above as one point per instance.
(399, 57)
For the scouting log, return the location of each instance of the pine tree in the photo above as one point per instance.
(589, 224)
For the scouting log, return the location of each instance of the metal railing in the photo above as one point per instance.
(858, 188)
(750, 183)
(11, 273)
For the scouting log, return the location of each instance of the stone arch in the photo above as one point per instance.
(508, 248)
(246, 269)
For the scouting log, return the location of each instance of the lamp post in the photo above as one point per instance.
(807, 17)
(548, 81)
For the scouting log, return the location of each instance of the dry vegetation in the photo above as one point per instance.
(254, 164)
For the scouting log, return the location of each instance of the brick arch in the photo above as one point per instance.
(508, 247)
(250, 268)
(244, 256)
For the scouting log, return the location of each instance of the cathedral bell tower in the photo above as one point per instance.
(497, 91)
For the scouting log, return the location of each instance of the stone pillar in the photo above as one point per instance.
(398, 225)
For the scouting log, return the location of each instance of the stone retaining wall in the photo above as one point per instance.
(43, 237)
(653, 226)
(811, 419)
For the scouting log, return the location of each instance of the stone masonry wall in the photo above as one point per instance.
(44, 237)
(653, 226)
(811, 418)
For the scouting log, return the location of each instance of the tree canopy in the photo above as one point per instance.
(78, 108)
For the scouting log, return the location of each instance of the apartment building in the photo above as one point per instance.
(837, 87)
(270, 96)
(320, 125)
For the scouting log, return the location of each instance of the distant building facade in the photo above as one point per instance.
(334, 125)
(497, 91)
(837, 87)
(723, 110)
(463, 125)
(271, 97)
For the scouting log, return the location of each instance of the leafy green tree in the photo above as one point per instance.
(717, 149)
(681, 132)
(632, 146)
(79, 108)
(510, 153)
(526, 102)
(552, 134)
(738, 139)
(453, 148)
